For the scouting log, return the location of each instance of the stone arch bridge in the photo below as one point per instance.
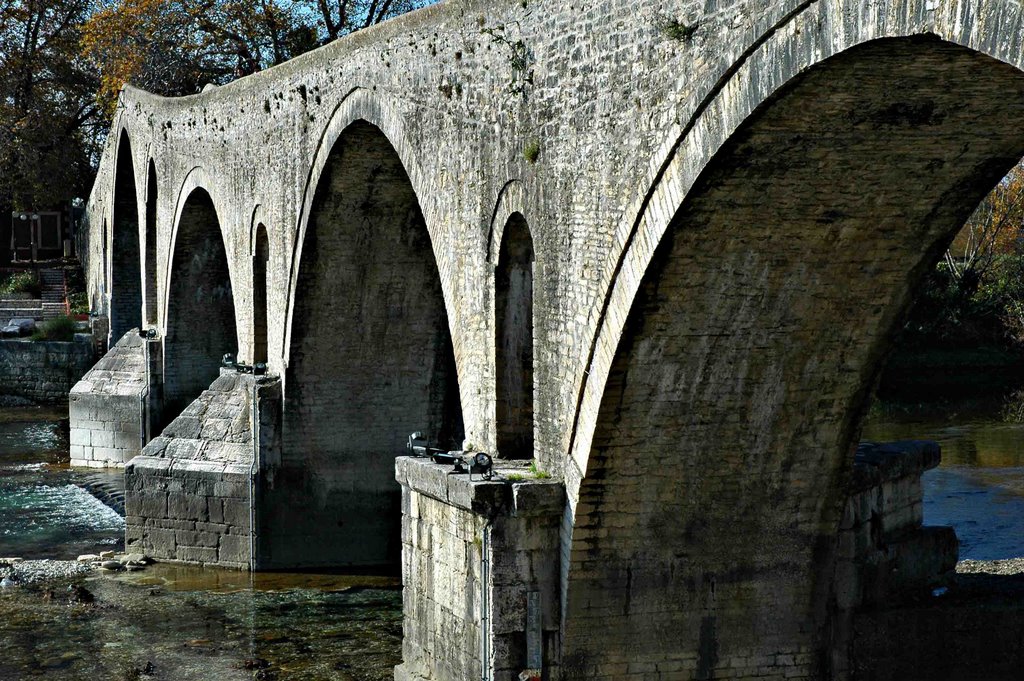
(659, 249)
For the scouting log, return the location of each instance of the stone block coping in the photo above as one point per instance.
(516, 497)
(876, 463)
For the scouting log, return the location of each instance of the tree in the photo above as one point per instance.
(49, 122)
(344, 16)
(993, 229)
(176, 47)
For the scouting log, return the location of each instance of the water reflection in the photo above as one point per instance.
(349, 632)
(177, 622)
(979, 487)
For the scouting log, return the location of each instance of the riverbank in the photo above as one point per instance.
(43, 371)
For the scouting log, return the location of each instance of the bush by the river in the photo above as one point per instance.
(955, 314)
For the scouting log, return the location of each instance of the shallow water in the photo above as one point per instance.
(44, 513)
(175, 622)
(979, 486)
(205, 624)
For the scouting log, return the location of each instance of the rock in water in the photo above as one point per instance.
(106, 555)
(111, 565)
(88, 558)
(79, 594)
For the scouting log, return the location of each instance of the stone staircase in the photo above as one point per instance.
(49, 305)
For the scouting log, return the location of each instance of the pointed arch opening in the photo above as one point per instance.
(716, 473)
(513, 341)
(200, 306)
(125, 266)
(260, 260)
(151, 239)
(371, 361)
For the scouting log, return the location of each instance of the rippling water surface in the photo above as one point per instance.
(979, 487)
(177, 623)
(44, 513)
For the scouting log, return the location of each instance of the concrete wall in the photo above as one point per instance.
(42, 371)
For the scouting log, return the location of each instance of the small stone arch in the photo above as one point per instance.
(514, 330)
(260, 286)
(151, 248)
(125, 252)
(511, 200)
(200, 318)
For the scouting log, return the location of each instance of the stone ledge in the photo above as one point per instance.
(484, 497)
(877, 463)
(164, 466)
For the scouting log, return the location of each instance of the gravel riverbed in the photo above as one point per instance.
(28, 572)
(1008, 566)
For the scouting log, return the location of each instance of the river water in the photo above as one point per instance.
(176, 623)
(979, 486)
(204, 624)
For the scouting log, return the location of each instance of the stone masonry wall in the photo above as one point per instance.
(885, 554)
(108, 407)
(188, 495)
(42, 371)
(450, 527)
(601, 122)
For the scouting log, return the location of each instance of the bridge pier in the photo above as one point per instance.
(480, 573)
(481, 569)
(191, 495)
(112, 408)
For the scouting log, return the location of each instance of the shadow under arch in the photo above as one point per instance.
(152, 191)
(514, 340)
(710, 488)
(370, 361)
(126, 256)
(200, 319)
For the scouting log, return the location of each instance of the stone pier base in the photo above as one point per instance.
(480, 572)
(109, 407)
(190, 495)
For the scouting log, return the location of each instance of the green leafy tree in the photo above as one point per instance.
(176, 47)
(50, 126)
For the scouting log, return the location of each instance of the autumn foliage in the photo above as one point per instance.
(63, 63)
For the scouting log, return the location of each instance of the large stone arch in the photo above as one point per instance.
(811, 33)
(370, 358)
(199, 317)
(754, 304)
(125, 252)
